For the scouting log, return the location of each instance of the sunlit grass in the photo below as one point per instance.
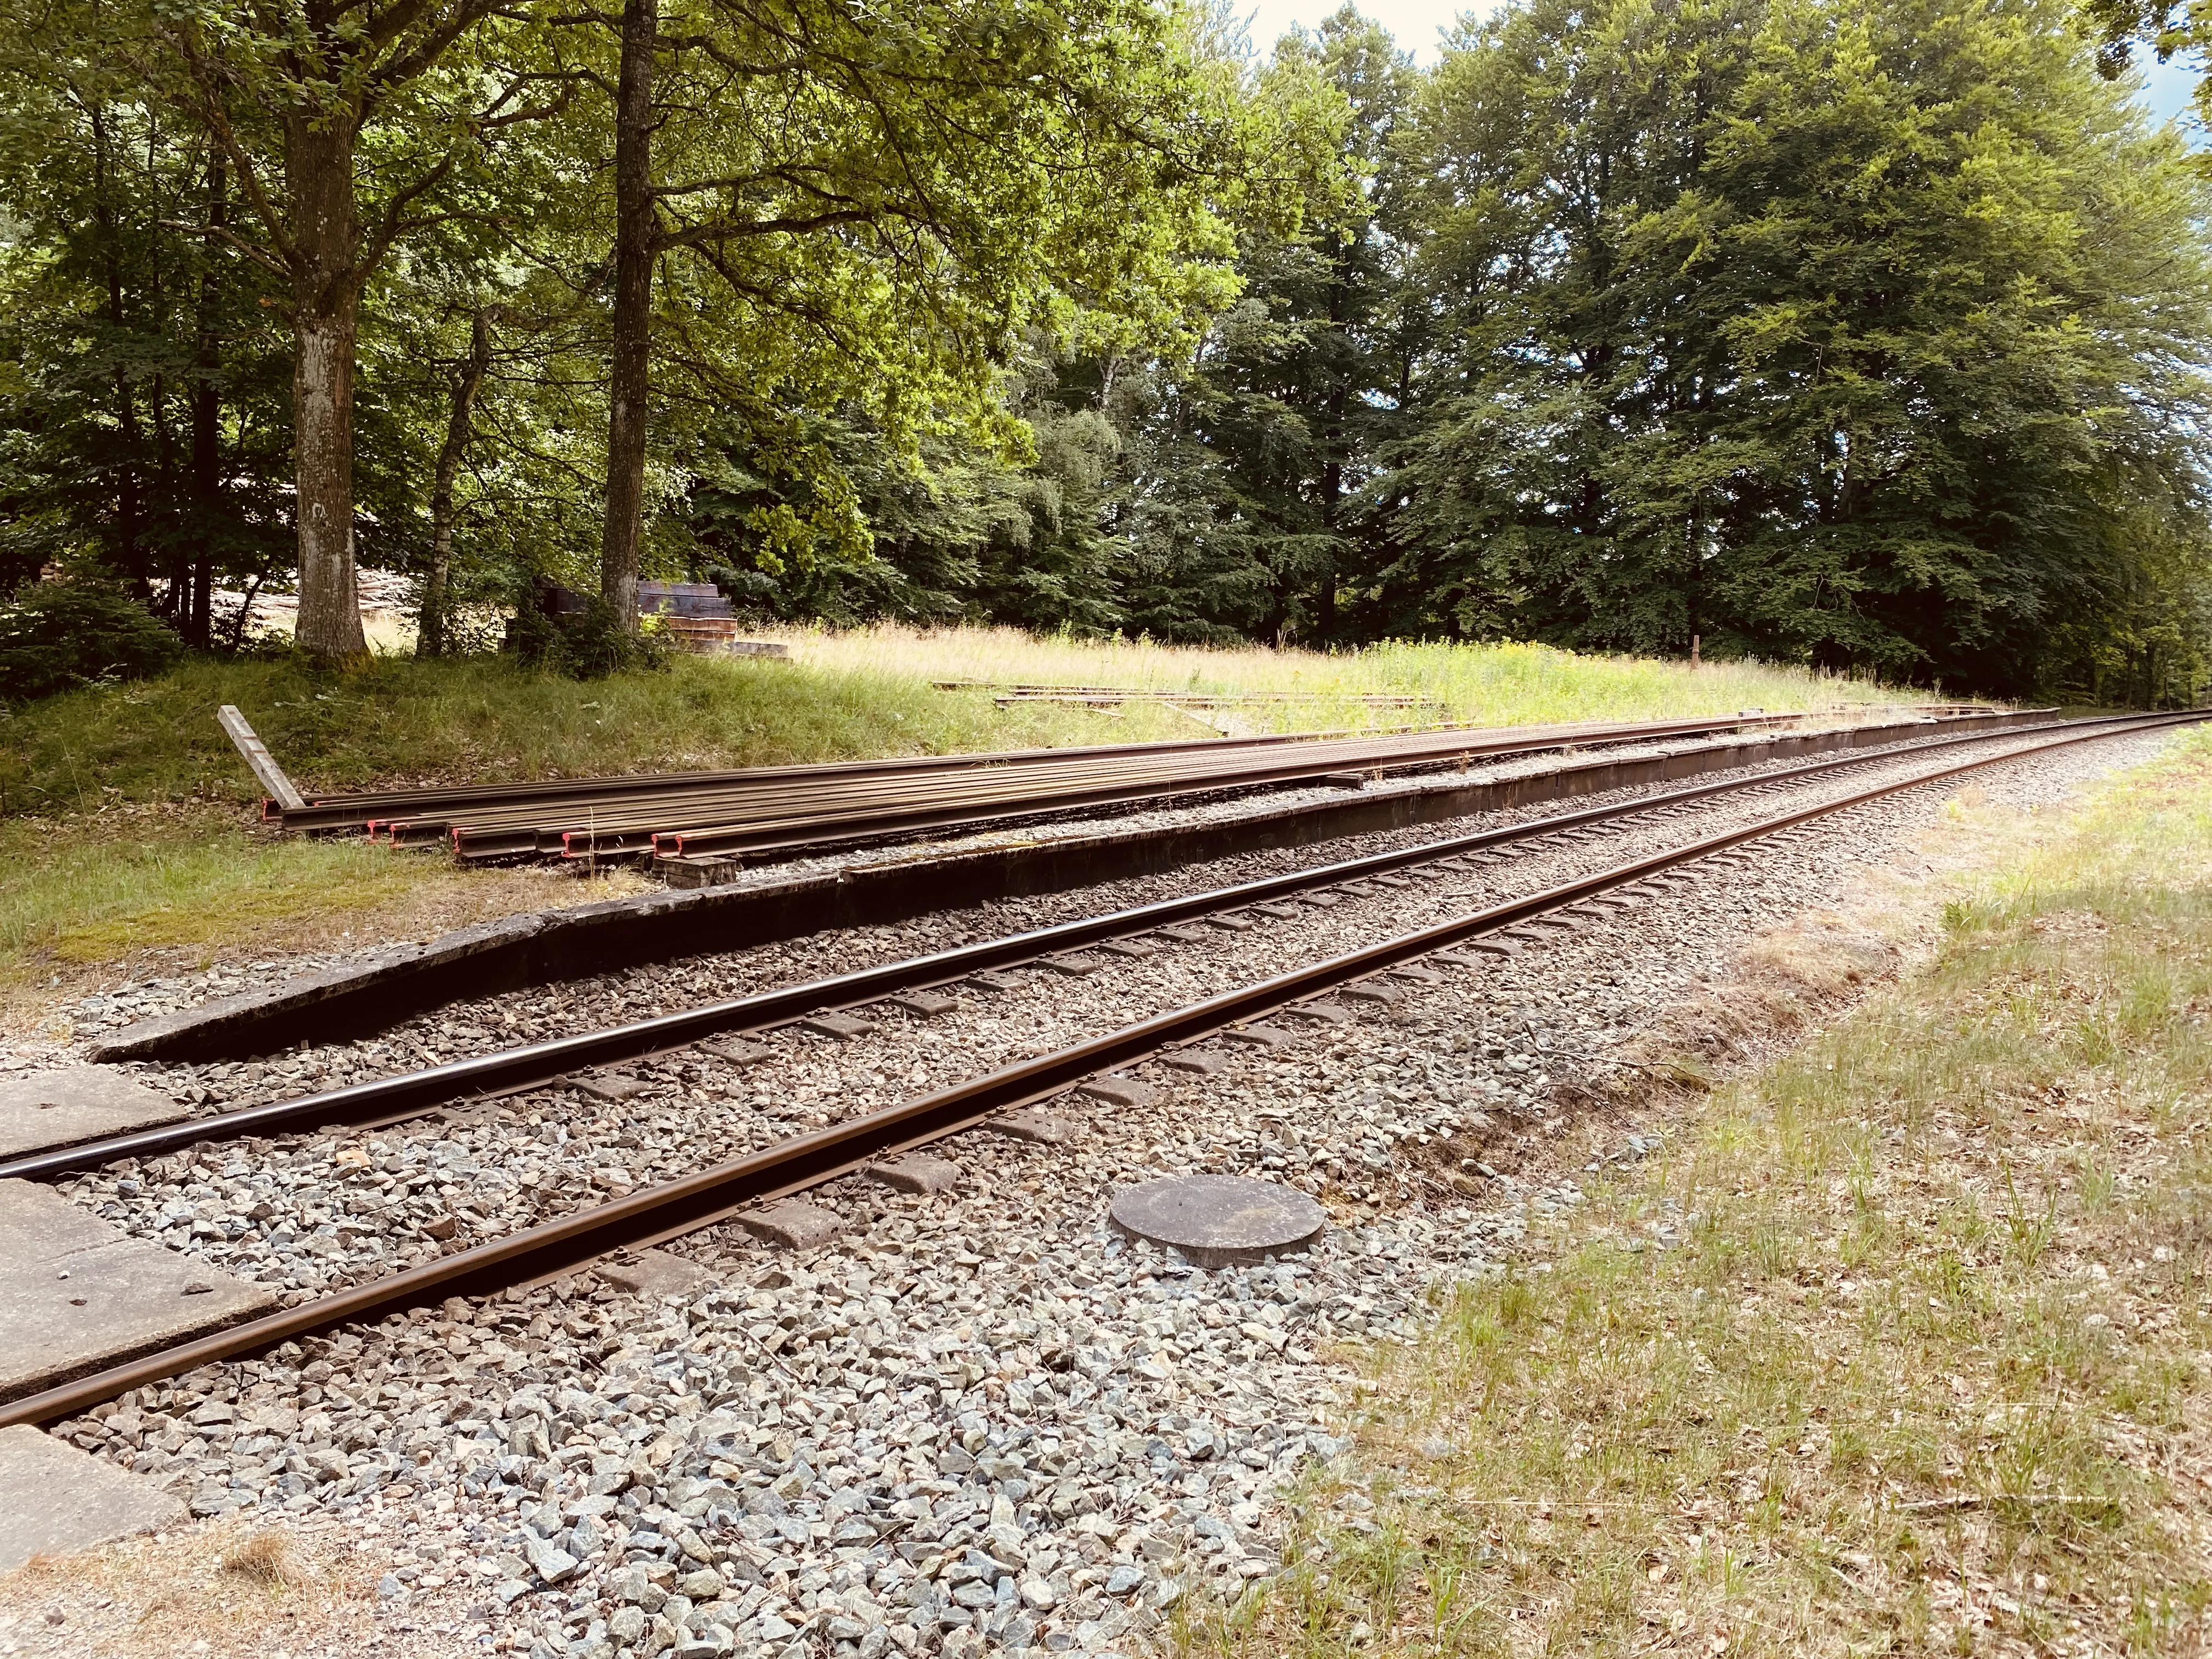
(179, 887)
(1504, 685)
(1926, 1375)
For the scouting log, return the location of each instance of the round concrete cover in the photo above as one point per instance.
(1218, 1221)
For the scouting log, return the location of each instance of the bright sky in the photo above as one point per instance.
(1419, 24)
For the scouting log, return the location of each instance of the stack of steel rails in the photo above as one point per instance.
(781, 812)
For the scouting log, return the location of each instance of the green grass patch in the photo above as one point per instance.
(1496, 684)
(852, 695)
(1922, 1370)
(399, 722)
(177, 886)
(87, 880)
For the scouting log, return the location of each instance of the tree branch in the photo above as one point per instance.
(260, 256)
(394, 220)
(249, 177)
(710, 235)
(431, 47)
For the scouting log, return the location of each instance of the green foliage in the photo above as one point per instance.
(588, 643)
(58, 637)
(1864, 336)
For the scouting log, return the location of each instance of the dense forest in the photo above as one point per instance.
(1872, 334)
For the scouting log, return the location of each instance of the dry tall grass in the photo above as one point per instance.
(1502, 684)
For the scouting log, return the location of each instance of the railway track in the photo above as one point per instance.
(505, 1072)
(669, 1209)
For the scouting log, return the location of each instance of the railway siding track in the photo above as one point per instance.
(670, 1209)
(782, 808)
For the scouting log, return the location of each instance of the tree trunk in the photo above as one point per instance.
(130, 556)
(193, 617)
(430, 634)
(326, 304)
(628, 372)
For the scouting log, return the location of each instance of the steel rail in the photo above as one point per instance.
(331, 812)
(350, 810)
(671, 1208)
(723, 834)
(1139, 773)
(510, 1070)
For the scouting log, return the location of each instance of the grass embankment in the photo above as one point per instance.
(128, 835)
(130, 841)
(1900, 1347)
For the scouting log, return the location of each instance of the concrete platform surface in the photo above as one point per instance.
(76, 1294)
(54, 1499)
(74, 1104)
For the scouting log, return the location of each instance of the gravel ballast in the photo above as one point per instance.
(979, 1419)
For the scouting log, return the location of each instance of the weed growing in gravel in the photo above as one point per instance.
(267, 1558)
(1923, 1371)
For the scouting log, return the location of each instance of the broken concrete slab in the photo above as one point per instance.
(1370, 990)
(993, 980)
(76, 1294)
(1327, 1014)
(74, 1104)
(1129, 950)
(736, 1051)
(916, 1172)
(1183, 933)
(1073, 964)
(55, 1498)
(793, 1224)
(655, 1273)
(924, 1005)
(1204, 1062)
(1417, 975)
(1468, 959)
(1270, 1037)
(1045, 1129)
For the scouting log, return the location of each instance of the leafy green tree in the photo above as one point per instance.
(143, 411)
(807, 180)
(1246, 460)
(346, 130)
(1838, 335)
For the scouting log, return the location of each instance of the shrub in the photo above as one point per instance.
(587, 643)
(57, 636)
